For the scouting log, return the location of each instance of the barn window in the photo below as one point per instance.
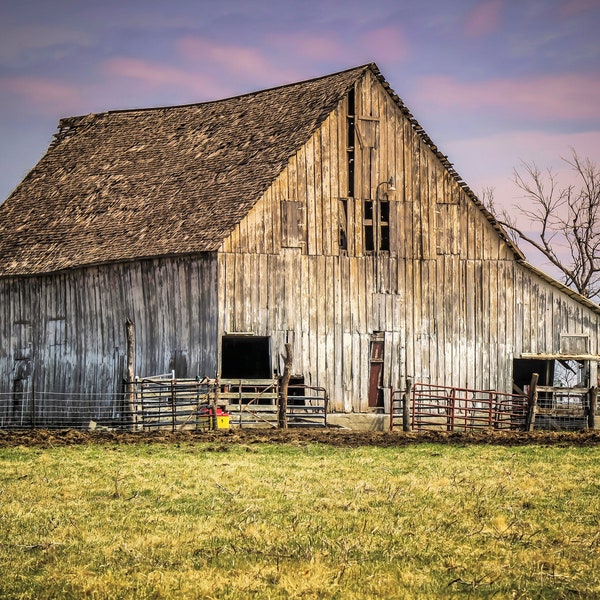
(376, 225)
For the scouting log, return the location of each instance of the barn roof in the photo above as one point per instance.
(133, 184)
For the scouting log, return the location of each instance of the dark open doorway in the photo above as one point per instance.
(246, 357)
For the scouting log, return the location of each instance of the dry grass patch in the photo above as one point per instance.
(299, 521)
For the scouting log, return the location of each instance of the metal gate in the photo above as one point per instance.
(442, 408)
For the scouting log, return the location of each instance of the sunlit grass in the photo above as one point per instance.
(293, 521)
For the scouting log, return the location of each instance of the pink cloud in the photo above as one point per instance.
(155, 75)
(48, 96)
(561, 96)
(483, 19)
(240, 61)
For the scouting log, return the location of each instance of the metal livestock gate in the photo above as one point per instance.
(434, 407)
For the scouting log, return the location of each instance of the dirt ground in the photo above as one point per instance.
(335, 437)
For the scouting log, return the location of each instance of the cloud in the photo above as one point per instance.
(242, 62)
(155, 75)
(560, 97)
(483, 19)
(44, 95)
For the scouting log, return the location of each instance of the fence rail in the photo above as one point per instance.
(166, 403)
(433, 407)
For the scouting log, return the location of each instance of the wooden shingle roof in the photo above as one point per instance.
(134, 184)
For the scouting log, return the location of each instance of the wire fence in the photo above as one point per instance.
(52, 410)
(163, 403)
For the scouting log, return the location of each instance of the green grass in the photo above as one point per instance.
(299, 521)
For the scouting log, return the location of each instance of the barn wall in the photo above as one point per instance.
(66, 332)
(454, 305)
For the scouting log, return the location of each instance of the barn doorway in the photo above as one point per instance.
(246, 357)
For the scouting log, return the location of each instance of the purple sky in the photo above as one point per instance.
(492, 82)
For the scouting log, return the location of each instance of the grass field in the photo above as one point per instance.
(211, 520)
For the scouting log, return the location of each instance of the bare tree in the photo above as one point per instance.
(565, 220)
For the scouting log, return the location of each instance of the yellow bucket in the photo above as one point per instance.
(222, 421)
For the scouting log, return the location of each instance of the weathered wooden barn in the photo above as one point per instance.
(318, 213)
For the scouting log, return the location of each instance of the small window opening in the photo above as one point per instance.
(351, 109)
(369, 232)
(384, 225)
(376, 223)
(343, 224)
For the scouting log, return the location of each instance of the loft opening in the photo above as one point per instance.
(245, 357)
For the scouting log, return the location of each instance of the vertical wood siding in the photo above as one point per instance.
(70, 327)
(454, 305)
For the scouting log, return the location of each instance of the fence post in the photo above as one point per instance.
(592, 410)
(285, 381)
(532, 403)
(173, 394)
(405, 408)
(130, 332)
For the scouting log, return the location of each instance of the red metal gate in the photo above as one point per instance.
(435, 407)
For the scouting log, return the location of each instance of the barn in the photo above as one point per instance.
(318, 214)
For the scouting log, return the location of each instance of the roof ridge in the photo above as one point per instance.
(360, 68)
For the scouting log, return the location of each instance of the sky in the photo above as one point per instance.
(493, 82)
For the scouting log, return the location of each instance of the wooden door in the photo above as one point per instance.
(376, 371)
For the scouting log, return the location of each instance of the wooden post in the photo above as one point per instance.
(130, 386)
(532, 403)
(405, 405)
(285, 381)
(592, 410)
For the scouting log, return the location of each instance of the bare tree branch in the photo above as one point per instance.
(566, 220)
